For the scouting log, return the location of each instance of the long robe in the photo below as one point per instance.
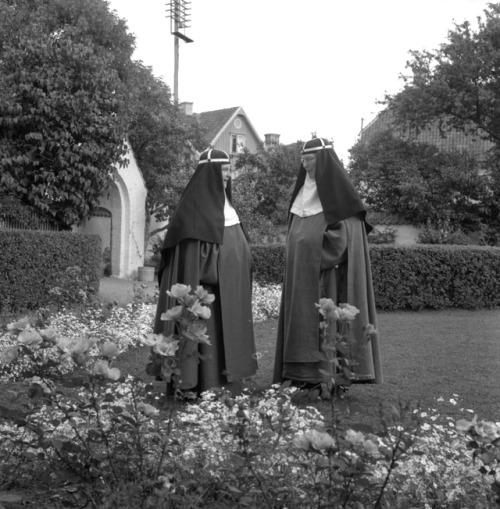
(224, 270)
(330, 261)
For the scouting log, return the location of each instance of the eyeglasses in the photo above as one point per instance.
(307, 159)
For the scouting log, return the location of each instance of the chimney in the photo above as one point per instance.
(187, 108)
(271, 139)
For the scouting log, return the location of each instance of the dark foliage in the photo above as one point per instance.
(32, 263)
(164, 141)
(268, 179)
(420, 183)
(64, 67)
(415, 277)
(457, 85)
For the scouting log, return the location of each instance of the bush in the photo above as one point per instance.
(435, 277)
(100, 439)
(106, 261)
(458, 238)
(385, 236)
(442, 233)
(269, 263)
(34, 262)
(414, 277)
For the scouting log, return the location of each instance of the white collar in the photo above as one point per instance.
(307, 202)
(230, 215)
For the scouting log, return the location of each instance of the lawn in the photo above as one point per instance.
(427, 355)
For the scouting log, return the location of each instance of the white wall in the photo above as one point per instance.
(405, 233)
(127, 204)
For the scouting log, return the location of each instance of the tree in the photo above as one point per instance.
(64, 65)
(458, 85)
(246, 202)
(272, 171)
(418, 182)
(164, 141)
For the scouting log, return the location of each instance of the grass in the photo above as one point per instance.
(426, 355)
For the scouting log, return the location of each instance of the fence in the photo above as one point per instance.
(30, 221)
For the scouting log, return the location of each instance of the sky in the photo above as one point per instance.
(296, 67)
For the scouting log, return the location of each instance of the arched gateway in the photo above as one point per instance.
(120, 220)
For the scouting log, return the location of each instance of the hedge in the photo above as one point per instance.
(415, 277)
(33, 262)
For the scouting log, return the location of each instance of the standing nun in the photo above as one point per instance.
(326, 257)
(207, 245)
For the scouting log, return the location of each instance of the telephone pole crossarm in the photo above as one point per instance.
(179, 12)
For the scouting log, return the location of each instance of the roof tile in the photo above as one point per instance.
(448, 141)
(213, 121)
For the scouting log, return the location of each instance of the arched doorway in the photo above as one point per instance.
(101, 223)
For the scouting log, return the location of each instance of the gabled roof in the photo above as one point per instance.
(447, 141)
(214, 122)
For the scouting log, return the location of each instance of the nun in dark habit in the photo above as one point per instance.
(207, 245)
(326, 257)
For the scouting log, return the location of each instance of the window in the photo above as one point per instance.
(237, 143)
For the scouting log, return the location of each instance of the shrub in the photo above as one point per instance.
(414, 277)
(106, 261)
(269, 263)
(435, 277)
(458, 238)
(108, 442)
(385, 236)
(442, 233)
(33, 262)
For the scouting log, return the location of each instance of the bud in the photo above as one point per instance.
(109, 350)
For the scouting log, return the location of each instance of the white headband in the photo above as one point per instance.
(314, 149)
(208, 160)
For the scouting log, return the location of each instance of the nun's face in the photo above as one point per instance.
(226, 173)
(309, 163)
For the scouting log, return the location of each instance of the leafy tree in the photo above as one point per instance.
(457, 85)
(63, 66)
(246, 201)
(419, 182)
(164, 141)
(272, 172)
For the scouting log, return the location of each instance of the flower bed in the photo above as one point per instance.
(113, 442)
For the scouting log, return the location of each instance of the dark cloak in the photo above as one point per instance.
(326, 259)
(199, 250)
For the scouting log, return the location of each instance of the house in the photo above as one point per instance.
(120, 220)
(449, 141)
(228, 129)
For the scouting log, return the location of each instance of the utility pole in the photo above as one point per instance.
(179, 12)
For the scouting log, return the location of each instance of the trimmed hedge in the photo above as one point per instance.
(436, 276)
(415, 277)
(32, 262)
(268, 263)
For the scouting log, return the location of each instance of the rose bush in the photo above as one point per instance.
(115, 442)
